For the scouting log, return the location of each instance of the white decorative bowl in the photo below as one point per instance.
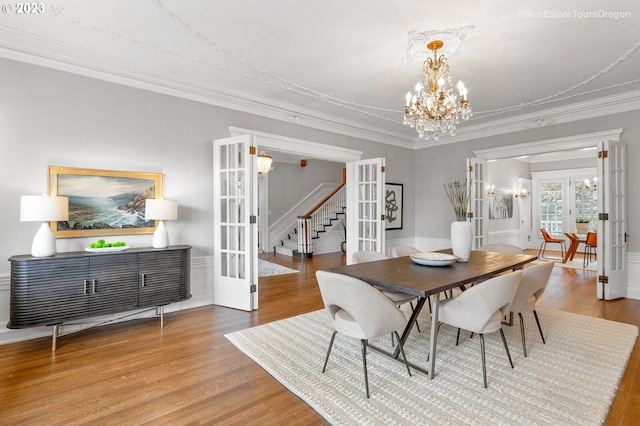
(106, 249)
(433, 259)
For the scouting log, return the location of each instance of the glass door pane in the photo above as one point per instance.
(551, 206)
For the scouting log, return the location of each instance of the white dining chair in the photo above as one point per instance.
(360, 311)
(480, 310)
(396, 297)
(401, 251)
(532, 286)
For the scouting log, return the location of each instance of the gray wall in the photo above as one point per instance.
(444, 163)
(48, 117)
(504, 174)
(290, 183)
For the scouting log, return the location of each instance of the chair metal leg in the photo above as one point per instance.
(541, 251)
(402, 352)
(506, 348)
(484, 364)
(364, 364)
(524, 340)
(333, 336)
(535, 314)
(457, 337)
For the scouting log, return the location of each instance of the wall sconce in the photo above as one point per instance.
(160, 210)
(591, 185)
(264, 163)
(43, 208)
(522, 194)
(491, 190)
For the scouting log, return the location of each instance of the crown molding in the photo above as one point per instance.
(24, 47)
(607, 105)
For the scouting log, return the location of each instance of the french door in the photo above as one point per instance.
(478, 203)
(235, 248)
(365, 201)
(612, 229)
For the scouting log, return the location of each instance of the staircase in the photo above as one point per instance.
(312, 226)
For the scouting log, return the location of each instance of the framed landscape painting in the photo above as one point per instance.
(393, 206)
(103, 202)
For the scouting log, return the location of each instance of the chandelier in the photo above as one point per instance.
(434, 109)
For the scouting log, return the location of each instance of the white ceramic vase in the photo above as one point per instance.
(461, 240)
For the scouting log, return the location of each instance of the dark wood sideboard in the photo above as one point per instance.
(78, 285)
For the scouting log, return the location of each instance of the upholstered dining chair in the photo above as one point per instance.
(532, 286)
(590, 248)
(396, 297)
(480, 310)
(360, 311)
(546, 239)
(400, 251)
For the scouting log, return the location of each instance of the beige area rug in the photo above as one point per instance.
(266, 269)
(571, 380)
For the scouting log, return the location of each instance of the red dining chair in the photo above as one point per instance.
(590, 248)
(549, 239)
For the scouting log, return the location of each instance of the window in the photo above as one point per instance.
(563, 196)
(551, 206)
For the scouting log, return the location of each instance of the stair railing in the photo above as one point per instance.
(314, 221)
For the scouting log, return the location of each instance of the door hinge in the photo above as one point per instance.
(382, 217)
(603, 279)
(603, 216)
(382, 169)
(253, 219)
(470, 215)
(603, 154)
(469, 169)
(253, 288)
(252, 150)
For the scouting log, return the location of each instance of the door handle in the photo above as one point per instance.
(141, 280)
(93, 286)
(86, 283)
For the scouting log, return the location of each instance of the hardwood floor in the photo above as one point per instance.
(188, 373)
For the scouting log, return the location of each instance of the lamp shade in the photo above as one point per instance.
(160, 209)
(264, 163)
(43, 208)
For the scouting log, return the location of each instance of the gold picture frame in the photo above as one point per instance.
(104, 202)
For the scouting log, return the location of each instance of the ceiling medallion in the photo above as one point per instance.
(539, 122)
(452, 37)
(434, 109)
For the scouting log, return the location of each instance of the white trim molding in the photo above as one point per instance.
(288, 145)
(574, 142)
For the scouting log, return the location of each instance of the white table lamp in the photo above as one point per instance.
(160, 210)
(43, 208)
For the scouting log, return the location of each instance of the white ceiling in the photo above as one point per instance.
(345, 65)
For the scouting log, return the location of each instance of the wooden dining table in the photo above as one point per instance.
(575, 239)
(402, 274)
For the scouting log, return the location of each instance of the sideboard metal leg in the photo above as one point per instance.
(160, 313)
(54, 338)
